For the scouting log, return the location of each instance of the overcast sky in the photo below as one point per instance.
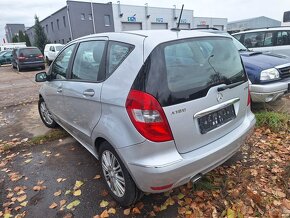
(23, 11)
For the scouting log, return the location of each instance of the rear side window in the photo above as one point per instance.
(253, 40)
(87, 63)
(29, 51)
(117, 53)
(185, 70)
(283, 38)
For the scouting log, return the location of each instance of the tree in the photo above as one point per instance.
(21, 37)
(15, 39)
(27, 40)
(40, 38)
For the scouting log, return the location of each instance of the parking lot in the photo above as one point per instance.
(39, 178)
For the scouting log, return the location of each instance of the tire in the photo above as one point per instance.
(45, 114)
(19, 68)
(131, 193)
(43, 68)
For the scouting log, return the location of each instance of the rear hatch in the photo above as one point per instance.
(30, 55)
(200, 84)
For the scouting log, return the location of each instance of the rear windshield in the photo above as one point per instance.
(29, 51)
(184, 70)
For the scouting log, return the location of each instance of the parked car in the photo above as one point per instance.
(269, 75)
(29, 57)
(50, 52)
(5, 57)
(274, 40)
(155, 107)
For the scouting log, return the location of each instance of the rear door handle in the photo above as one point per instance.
(89, 93)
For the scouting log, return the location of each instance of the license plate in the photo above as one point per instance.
(216, 119)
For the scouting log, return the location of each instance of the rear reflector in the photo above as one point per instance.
(148, 116)
(159, 188)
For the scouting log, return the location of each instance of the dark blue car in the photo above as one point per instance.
(269, 74)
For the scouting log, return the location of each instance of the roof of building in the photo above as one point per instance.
(253, 18)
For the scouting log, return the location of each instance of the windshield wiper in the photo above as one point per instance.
(230, 86)
(243, 49)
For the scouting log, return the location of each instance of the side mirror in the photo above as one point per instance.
(41, 77)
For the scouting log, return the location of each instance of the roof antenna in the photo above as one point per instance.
(177, 28)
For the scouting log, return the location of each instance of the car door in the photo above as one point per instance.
(57, 77)
(82, 92)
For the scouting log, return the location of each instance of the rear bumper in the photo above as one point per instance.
(269, 92)
(167, 166)
(31, 65)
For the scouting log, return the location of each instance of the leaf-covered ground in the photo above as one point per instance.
(254, 183)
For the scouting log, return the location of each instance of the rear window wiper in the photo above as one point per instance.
(230, 86)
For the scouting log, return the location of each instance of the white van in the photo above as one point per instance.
(273, 40)
(50, 52)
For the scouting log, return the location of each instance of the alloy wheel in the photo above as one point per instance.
(45, 113)
(113, 173)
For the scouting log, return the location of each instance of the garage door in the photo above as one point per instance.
(203, 26)
(184, 26)
(159, 26)
(131, 26)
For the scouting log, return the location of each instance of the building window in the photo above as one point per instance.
(83, 17)
(107, 20)
(46, 26)
(52, 26)
(57, 23)
(64, 23)
(90, 17)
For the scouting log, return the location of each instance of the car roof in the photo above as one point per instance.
(151, 37)
(265, 29)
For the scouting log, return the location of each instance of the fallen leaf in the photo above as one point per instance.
(230, 213)
(286, 203)
(57, 155)
(24, 203)
(21, 192)
(279, 193)
(180, 196)
(53, 205)
(127, 211)
(28, 161)
(112, 210)
(77, 192)
(78, 185)
(60, 180)
(104, 214)
(67, 192)
(104, 193)
(21, 198)
(104, 203)
(62, 202)
(97, 177)
(10, 195)
(136, 210)
(58, 193)
(73, 204)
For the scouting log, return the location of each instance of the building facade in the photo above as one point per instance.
(210, 22)
(129, 17)
(252, 23)
(78, 19)
(12, 30)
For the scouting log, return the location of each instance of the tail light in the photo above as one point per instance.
(148, 116)
(249, 97)
(21, 58)
(40, 56)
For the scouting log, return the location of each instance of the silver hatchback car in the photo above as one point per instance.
(157, 108)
